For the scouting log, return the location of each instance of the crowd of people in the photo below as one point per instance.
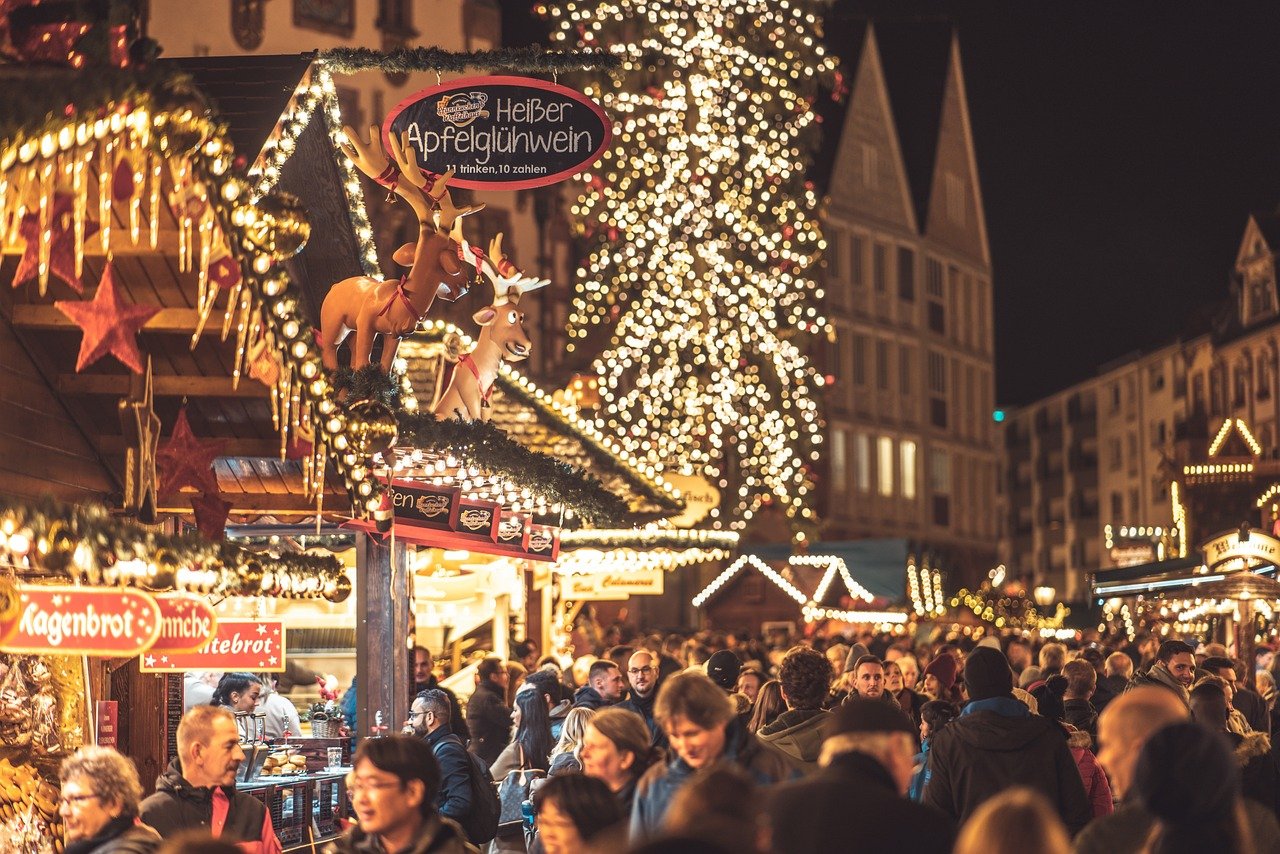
(724, 743)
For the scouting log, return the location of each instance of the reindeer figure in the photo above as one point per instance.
(502, 337)
(390, 308)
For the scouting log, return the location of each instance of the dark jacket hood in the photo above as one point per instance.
(590, 698)
(173, 783)
(991, 731)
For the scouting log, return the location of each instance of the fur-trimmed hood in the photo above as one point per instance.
(1250, 745)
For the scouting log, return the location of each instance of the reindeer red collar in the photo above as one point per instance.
(391, 308)
(502, 338)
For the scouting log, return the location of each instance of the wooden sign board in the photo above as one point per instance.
(187, 622)
(236, 645)
(501, 133)
(110, 622)
(611, 585)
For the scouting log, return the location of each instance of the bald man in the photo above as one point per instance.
(1123, 728)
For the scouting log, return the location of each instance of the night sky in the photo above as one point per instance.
(1121, 146)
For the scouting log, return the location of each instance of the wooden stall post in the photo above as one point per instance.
(382, 634)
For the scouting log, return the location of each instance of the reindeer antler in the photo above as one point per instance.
(509, 281)
(370, 158)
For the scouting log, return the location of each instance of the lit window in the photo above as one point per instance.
(907, 452)
(839, 472)
(862, 462)
(884, 465)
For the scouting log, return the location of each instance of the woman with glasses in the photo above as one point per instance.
(99, 804)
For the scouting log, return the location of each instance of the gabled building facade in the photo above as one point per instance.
(911, 450)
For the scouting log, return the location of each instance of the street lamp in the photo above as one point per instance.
(1044, 595)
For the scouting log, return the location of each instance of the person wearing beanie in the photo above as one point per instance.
(857, 798)
(723, 669)
(1124, 728)
(997, 743)
(856, 652)
(940, 679)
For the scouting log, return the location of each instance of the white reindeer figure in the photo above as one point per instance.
(502, 336)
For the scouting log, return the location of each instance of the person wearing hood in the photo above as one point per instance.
(1252, 750)
(800, 731)
(393, 791)
(605, 686)
(703, 729)
(996, 743)
(99, 804)
(1174, 669)
(642, 671)
(857, 800)
(199, 788)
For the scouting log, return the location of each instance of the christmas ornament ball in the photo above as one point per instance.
(279, 225)
(372, 425)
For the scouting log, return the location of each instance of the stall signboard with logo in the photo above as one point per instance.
(611, 585)
(699, 495)
(187, 623)
(501, 133)
(478, 519)
(236, 645)
(113, 622)
(1255, 549)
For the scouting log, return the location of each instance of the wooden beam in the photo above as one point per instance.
(264, 503)
(117, 385)
(383, 593)
(180, 321)
(257, 448)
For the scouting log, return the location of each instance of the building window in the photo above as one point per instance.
(1264, 376)
(835, 270)
(1197, 392)
(870, 166)
(1134, 504)
(933, 278)
(857, 261)
(1241, 386)
(839, 462)
(879, 275)
(1158, 434)
(860, 360)
(1115, 397)
(882, 365)
(907, 455)
(937, 390)
(1156, 379)
(940, 486)
(1217, 394)
(1115, 454)
(904, 370)
(1117, 507)
(884, 466)
(862, 462)
(336, 17)
(906, 274)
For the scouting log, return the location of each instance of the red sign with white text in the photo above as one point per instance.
(187, 623)
(236, 645)
(107, 713)
(95, 621)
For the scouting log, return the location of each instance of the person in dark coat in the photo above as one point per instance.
(1077, 707)
(99, 805)
(605, 686)
(424, 680)
(488, 716)
(393, 794)
(430, 718)
(1117, 671)
(1252, 750)
(1174, 669)
(642, 671)
(867, 763)
(996, 743)
(1250, 709)
(704, 730)
(201, 783)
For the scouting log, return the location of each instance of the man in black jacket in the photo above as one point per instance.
(430, 719)
(424, 680)
(488, 715)
(642, 670)
(604, 687)
(198, 791)
(866, 767)
(997, 743)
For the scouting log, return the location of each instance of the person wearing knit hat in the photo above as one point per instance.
(723, 669)
(997, 743)
(991, 642)
(940, 678)
(856, 651)
(867, 762)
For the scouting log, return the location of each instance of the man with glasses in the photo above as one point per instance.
(393, 790)
(642, 672)
(429, 717)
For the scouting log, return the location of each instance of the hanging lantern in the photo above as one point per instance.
(278, 225)
(372, 425)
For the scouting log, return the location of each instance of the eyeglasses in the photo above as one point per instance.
(355, 787)
(640, 671)
(74, 800)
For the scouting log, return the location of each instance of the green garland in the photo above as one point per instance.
(345, 60)
(481, 444)
(367, 383)
(83, 542)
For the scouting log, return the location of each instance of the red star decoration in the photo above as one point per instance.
(62, 244)
(110, 325)
(211, 514)
(187, 461)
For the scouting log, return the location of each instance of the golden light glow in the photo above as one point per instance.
(704, 234)
(737, 566)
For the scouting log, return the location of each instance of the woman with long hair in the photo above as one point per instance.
(769, 704)
(1016, 821)
(616, 748)
(530, 749)
(566, 757)
(895, 686)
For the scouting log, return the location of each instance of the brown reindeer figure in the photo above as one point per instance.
(391, 308)
(502, 337)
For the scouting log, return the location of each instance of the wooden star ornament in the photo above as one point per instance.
(186, 461)
(211, 514)
(110, 325)
(141, 429)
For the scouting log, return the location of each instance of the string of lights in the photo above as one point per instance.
(704, 233)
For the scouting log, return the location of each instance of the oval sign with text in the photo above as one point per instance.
(187, 623)
(94, 621)
(501, 133)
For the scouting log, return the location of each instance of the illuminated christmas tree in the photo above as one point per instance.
(703, 233)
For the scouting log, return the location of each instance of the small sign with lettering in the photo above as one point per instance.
(478, 518)
(187, 622)
(611, 585)
(94, 621)
(236, 645)
(501, 133)
(105, 714)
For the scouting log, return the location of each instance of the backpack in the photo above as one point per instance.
(481, 823)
